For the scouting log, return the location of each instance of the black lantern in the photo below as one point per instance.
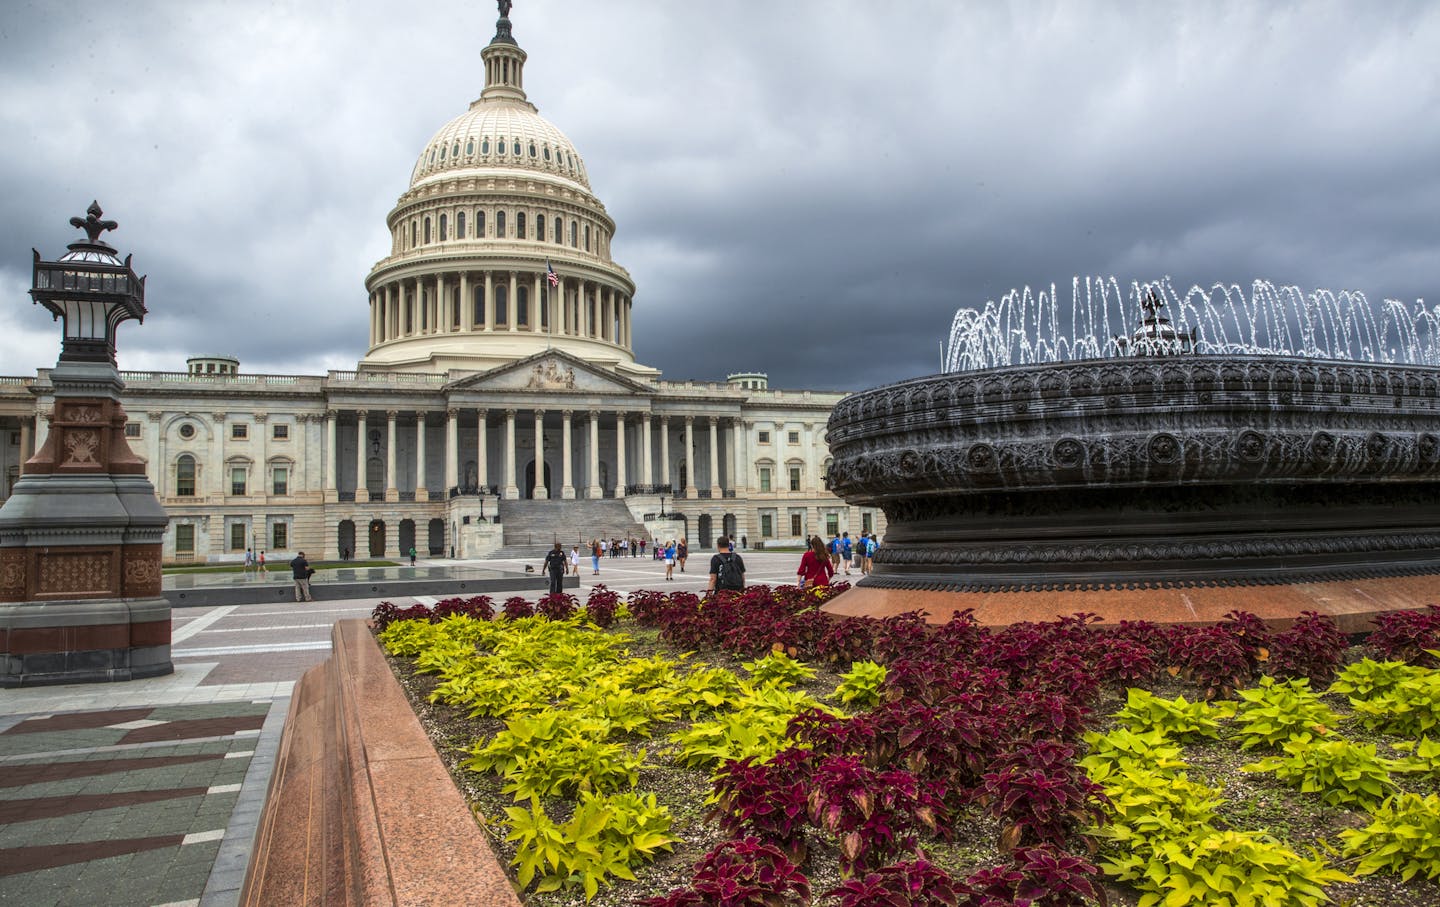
(91, 289)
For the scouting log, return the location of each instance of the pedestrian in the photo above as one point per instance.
(575, 559)
(625, 547)
(642, 547)
(301, 571)
(670, 559)
(555, 566)
(412, 555)
(846, 550)
(727, 571)
(682, 553)
(815, 565)
(860, 550)
(597, 548)
(261, 563)
(249, 561)
(835, 553)
(604, 549)
(744, 542)
(870, 547)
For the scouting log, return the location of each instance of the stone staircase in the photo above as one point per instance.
(531, 527)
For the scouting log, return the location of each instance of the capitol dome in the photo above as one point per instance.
(499, 247)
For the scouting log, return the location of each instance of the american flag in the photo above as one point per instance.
(550, 275)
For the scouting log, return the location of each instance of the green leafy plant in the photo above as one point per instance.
(1123, 749)
(1274, 711)
(863, 686)
(1423, 757)
(1176, 718)
(778, 669)
(1223, 869)
(1410, 708)
(604, 838)
(1342, 772)
(1365, 678)
(1403, 837)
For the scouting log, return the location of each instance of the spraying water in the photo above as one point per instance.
(1027, 327)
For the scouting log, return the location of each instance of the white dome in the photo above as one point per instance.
(500, 133)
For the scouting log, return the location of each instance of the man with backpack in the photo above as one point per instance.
(727, 570)
(847, 550)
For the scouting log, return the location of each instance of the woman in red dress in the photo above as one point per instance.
(815, 569)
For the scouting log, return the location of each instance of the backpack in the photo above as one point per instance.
(729, 575)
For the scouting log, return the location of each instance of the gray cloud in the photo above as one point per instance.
(808, 188)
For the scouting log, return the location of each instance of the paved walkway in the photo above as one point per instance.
(148, 793)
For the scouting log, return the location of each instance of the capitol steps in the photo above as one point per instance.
(531, 527)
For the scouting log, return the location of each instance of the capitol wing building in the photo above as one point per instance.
(499, 406)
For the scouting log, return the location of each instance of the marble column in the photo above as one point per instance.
(715, 491)
(647, 471)
(362, 491)
(489, 303)
(620, 478)
(421, 492)
(217, 456)
(812, 478)
(512, 491)
(595, 492)
(452, 451)
(540, 491)
(512, 306)
(442, 316)
(482, 452)
(537, 297)
(392, 493)
(467, 306)
(737, 441)
(567, 488)
(25, 442)
(689, 455)
(665, 450)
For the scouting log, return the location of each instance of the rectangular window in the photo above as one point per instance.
(239, 431)
(280, 536)
(867, 522)
(281, 432)
(797, 527)
(794, 478)
(282, 480)
(185, 538)
(237, 480)
(764, 437)
(132, 429)
(832, 524)
(764, 478)
(237, 537)
(767, 526)
(794, 437)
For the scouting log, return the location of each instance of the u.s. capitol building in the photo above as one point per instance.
(496, 408)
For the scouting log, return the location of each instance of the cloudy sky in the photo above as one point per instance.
(805, 187)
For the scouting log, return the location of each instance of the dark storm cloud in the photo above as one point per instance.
(804, 188)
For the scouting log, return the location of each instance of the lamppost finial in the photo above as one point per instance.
(92, 224)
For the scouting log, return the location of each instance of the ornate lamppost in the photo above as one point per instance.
(81, 534)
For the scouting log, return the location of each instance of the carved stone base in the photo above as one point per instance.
(83, 641)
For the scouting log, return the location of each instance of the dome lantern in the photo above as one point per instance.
(504, 61)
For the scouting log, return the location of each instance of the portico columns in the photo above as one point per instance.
(421, 492)
(715, 491)
(489, 302)
(647, 472)
(331, 455)
(512, 306)
(512, 491)
(362, 491)
(688, 476)
(452, 450)
(738, 433)
(467, 307)
(25, 446)
(392, 493)
(620, 479)
(596, 491)
(567, 487)
(664, 450)
(442, 317)
(482, 459)
(540, 490)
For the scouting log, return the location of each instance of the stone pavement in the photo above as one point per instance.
(148, 793)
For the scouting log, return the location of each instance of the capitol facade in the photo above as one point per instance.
(499, 405)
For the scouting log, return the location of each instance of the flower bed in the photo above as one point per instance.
(855, 762)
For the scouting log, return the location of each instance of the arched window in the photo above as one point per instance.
(460, 225)
(587, 236)
(413, 228)
(478, 304)
(445, 229)
(480, 224)
(500, 145)
(185, 476)
(540, 227)
(522, 306)
(502, 300)
(559, 230)
(499, 224)
(574, 233)
(427, 229)
(455, 303)
(520, 225)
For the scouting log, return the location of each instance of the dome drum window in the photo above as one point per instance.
(520, 225)
(532, 149)
(444, 228)
(460, 225)
(547, 154)
(469, 147)
(500, 225)
(455, 152)
(484, 146)
(500, 145)
(517, 147)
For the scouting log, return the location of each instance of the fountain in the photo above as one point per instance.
(1222, 442)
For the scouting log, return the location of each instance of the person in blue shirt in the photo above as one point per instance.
(847, 551)
(670, 559)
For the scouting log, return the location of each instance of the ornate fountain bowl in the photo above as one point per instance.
(1147, 473)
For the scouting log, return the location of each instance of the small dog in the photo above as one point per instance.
(529, 568)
